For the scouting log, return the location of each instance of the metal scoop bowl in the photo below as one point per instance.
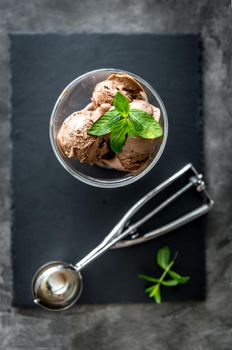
(57, 286)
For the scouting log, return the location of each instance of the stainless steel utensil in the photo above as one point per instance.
(58, 285)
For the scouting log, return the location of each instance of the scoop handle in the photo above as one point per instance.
(117, 230)
(100, 249)
(103, 247)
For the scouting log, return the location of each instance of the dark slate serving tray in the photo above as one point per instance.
(57, 217)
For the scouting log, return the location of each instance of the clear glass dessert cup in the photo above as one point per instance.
(75, 97)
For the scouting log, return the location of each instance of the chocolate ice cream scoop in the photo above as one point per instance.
(105, 91)
(75, 142)
(136, 153)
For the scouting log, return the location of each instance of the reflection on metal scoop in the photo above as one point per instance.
(58, 285)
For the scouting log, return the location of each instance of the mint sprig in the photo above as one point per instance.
(123, 121)
(163, 259)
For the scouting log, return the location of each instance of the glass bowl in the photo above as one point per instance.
(75, 97)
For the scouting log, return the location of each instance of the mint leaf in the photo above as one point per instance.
(138, 125)
(158, 297)
(163, 257)
(148, 278)
(131, 129)
(178, 278)
(118, 135)
(156, 294)
(121, 103)
(105, 123)
(169, 283)
(149, 290)
(145, 124)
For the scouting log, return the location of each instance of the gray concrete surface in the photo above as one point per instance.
(198, 326)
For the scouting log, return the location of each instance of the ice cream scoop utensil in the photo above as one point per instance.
(58, 285)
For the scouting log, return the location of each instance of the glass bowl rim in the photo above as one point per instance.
(91, 180)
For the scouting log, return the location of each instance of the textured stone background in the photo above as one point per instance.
(206, 325)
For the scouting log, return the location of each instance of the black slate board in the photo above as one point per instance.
(57, 217)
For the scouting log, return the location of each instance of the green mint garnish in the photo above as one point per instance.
(145, 124)
(123, 121)
(164, 261)
(121, 103)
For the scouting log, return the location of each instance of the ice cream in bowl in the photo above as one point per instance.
(108, 128)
